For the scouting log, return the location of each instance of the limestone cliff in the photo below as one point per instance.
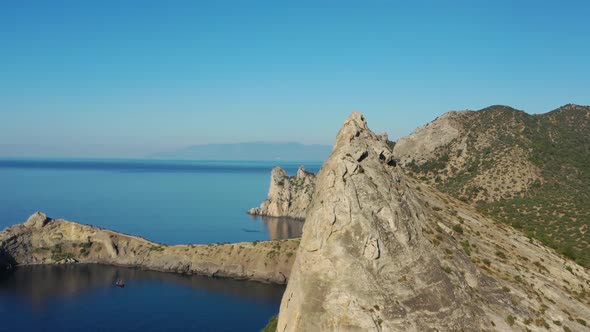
(42, 240)
(287, 196)
(381, 252)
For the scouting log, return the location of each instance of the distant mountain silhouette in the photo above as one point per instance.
(250, 151)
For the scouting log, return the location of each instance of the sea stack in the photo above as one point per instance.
(287, 196)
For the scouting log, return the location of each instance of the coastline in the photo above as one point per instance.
(42, 240)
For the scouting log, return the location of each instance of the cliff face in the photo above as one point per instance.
(287, 196)
(41, 240)
(381, 252)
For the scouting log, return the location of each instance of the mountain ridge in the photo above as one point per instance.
(528, 170)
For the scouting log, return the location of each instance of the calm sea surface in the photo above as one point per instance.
(171, 202)
(166, 201)
(83, 298)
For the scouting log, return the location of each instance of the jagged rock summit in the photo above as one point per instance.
(375, 256)
(287, 196)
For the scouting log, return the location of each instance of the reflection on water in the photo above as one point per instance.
(83, 298)
(38, 283)
(282, 228)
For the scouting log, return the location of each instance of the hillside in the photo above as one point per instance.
(530, 171)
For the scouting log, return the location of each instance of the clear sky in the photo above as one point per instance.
(127, 78)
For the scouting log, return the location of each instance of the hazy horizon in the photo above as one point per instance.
(125, 80)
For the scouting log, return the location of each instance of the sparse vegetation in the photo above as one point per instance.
(510, 320)
(529, 171)
(156, 248)
(57, 253)
(501, 254)
(458, 228)
(466, 247)
(85, 248)
(272, 324)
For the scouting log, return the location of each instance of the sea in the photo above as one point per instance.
(168, 201)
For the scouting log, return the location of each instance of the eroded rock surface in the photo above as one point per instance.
(42, 240)
(288, 196)
(381, 252)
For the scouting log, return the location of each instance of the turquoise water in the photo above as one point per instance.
(166, 201)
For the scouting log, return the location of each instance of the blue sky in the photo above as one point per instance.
(127, 78)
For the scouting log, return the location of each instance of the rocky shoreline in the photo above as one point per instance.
(42, 240)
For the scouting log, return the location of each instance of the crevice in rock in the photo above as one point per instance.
(363, 156)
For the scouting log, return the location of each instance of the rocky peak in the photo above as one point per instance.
(277, 181)
(374, 256)
(287, 196)
(363, 232)
(301, 172)
(359, 160)
(37, 219)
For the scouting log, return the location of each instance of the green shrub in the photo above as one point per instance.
(272, 324)
(156, 248)
(510, 320)
(501, 254)
(466, 247)
(458, 228)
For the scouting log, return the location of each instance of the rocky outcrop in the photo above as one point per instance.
(42, 240)
(287, 196)
(381, 252)
(422, 144)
